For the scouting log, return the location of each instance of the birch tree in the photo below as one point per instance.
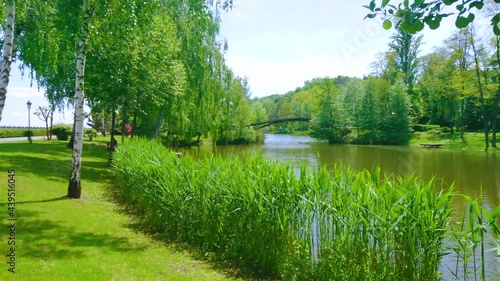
(7, 51)
(75, 186)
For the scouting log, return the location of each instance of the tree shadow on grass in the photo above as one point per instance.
(49, 239)
(55, 169)
(61, 198)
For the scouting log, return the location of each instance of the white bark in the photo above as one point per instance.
(74, 188)
(8, 45)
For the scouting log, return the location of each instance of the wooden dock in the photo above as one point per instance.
(432, 145)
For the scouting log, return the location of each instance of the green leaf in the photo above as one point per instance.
(461, 22)
(495, 19)
(449, 2)
(370, 16)
(385, 2)
(471, 17)
(387, 24)
(433, 23)
(419, 25)
(372, 5)
(478, 5)
(496, 30)
(496, 212)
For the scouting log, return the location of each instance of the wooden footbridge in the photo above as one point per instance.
(261, 125)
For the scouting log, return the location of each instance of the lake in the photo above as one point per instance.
(475, 174)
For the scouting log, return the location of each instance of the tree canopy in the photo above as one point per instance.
(414, 15)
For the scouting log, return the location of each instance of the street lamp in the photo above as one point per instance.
(29, 124)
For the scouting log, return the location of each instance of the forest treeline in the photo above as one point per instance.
(158, 67)
(456, 87)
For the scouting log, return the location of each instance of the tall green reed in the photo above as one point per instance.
(263, 216)
(477, 227)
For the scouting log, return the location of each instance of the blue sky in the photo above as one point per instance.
(277, 44)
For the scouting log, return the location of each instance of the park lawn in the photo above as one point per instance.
(473, 141)
(88, 239)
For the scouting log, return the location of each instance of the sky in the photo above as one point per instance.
(279, 44)
(276, 44)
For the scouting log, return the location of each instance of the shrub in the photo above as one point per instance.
(62, 132)
(20, 132)
(91, 133)
(28, 133)
(445, 130)
(424, 127)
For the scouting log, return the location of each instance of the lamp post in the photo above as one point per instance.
(29, 124)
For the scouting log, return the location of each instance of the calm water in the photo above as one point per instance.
(473, 173)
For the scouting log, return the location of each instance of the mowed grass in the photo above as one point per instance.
(87, 239)
(472, 141)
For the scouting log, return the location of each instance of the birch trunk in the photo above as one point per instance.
(74, 187)
(8, 45)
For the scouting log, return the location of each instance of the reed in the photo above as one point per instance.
(276, 222)
(477, 228)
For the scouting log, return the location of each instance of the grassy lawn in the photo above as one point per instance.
(473, 141)
(89, 239)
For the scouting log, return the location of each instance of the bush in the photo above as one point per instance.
(445, 130)
(28, 133)
(424, 127)
(62, 131)
(20, 132)
(91, 133)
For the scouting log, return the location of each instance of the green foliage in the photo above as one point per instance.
(406, 62)
(62, 132)
(395, 125)
(424, 127)
(262, 216)
(412, 17)
(328, 124)
(478, 226)
(14, 133)
(90, 133)
(28, 133)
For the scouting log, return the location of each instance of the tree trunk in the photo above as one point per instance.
(124, 120)
(462, 121)
(134, 123)
(74, 187)
(47, 128)
(51, 123)
(8, 45)
(496, 101)
(159, 122)
(494, 117)
(113, 123)
(71, 142)
(481, 94)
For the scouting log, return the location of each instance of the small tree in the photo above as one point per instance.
(46, 114)
(90, 133)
